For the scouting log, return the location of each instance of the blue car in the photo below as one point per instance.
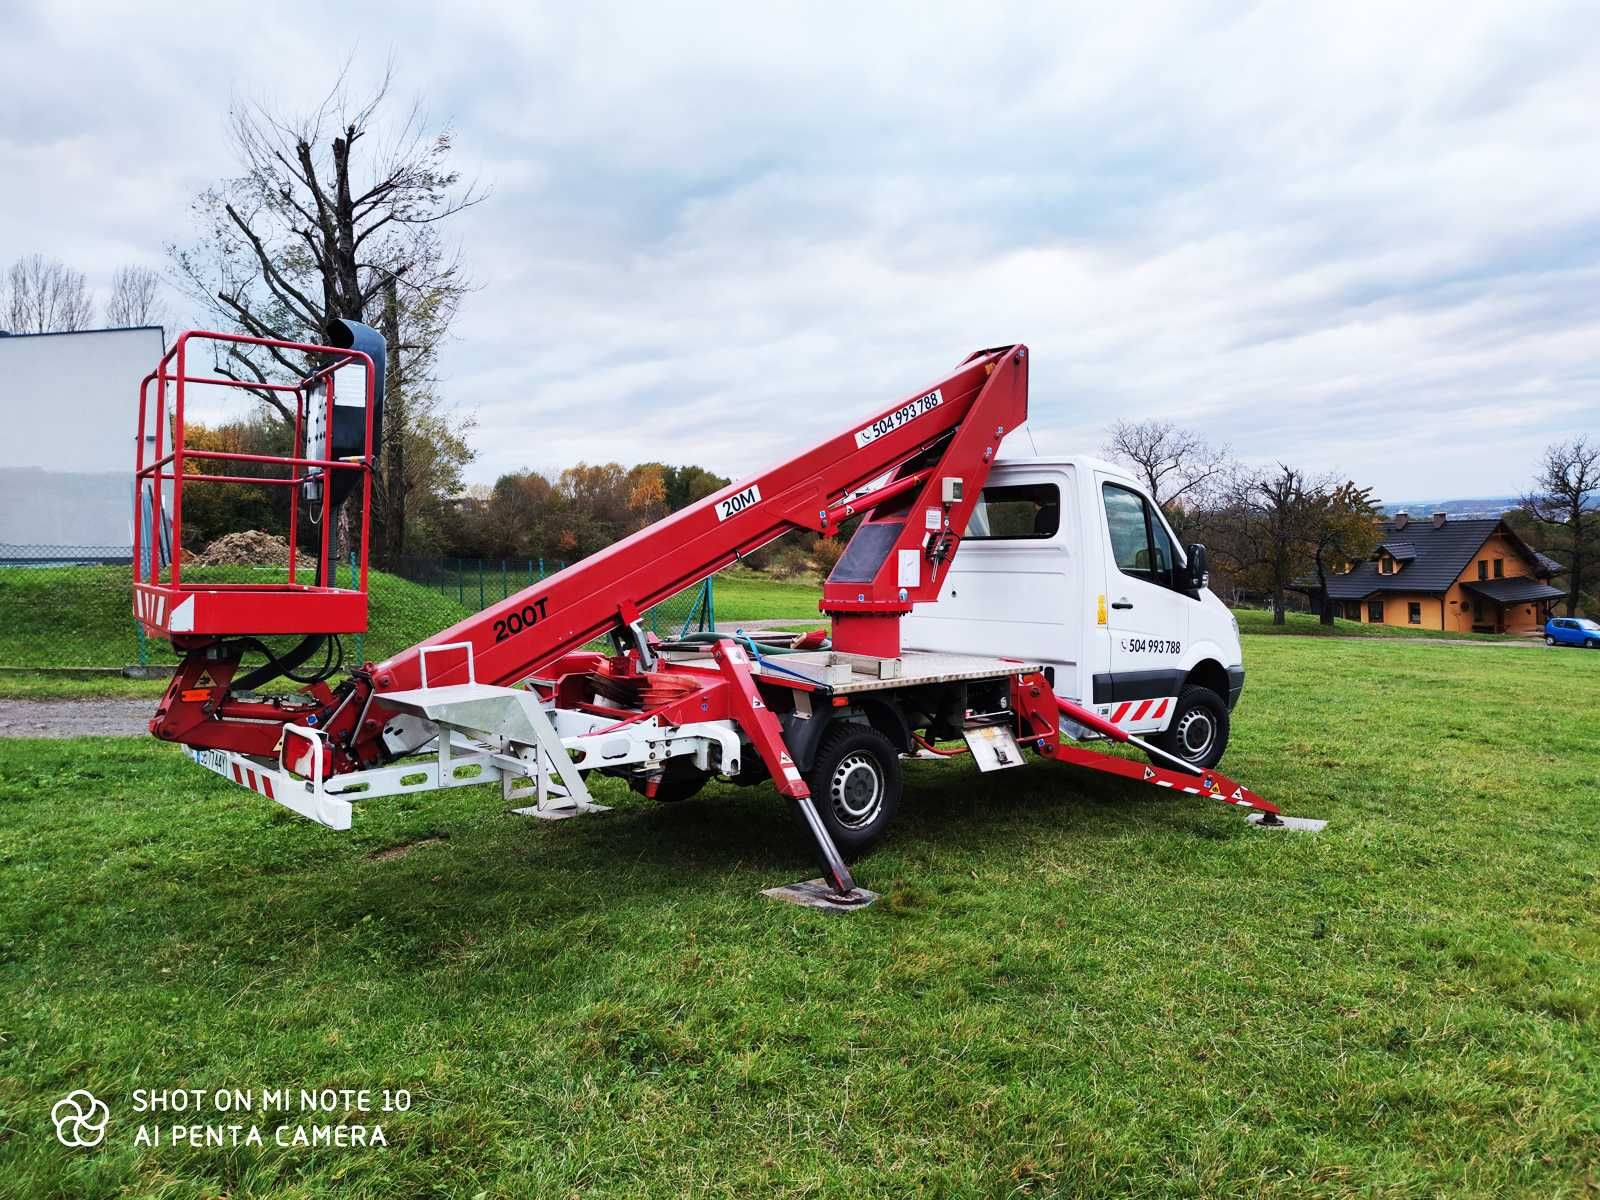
(1572, 631)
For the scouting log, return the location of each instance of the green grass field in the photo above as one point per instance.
(750, 596)
(82, 616)
(62, 618)
(1255, 620)
(1071, 987)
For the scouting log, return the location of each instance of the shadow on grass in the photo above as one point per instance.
(720, 847)
(260, 888)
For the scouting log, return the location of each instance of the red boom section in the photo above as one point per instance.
(913, 472)
(948, 431)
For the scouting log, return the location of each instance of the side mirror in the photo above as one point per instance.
(1199, 574)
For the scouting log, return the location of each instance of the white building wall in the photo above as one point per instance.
(69, 404)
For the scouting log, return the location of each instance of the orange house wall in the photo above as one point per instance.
(1396, 609)
(1519, 618)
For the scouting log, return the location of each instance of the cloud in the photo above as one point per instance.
(1356, 239)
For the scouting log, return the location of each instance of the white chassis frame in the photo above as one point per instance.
(542, 758)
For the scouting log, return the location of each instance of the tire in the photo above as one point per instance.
(1199, 729)
(855, 784)
(1548, 640)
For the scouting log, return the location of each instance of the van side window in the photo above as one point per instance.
(1140, 545)
(1022, 510)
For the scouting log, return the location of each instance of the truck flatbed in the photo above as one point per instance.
(846, 674)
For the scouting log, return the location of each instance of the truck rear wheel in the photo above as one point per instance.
(855, 784)
(1199, 729)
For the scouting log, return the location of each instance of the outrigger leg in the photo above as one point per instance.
(837, 887)
(1164, 770)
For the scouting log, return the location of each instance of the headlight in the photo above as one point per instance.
(1234, 621)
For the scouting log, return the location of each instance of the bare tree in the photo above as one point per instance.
(336, 214)
(1177, 465)
(1567, 495)
(135, 298)
(44, 295)
(1259, 525)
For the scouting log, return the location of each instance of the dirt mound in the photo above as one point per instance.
(252, 548)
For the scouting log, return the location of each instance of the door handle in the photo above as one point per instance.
(1122, 604)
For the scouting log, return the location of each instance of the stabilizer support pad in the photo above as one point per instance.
(1302, 824)
(559, 814)
(815, 893)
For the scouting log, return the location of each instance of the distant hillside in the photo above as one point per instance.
(1478, 505)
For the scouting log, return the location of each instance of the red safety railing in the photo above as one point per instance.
(162, 583)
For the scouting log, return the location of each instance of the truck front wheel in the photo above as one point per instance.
(1199, 729)
(855, 784)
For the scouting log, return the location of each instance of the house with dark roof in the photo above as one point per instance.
(1451, 573)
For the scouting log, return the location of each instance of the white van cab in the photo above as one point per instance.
(1069, 563)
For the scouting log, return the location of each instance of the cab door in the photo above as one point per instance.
(1147, 613)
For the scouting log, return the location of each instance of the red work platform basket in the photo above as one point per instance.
(200, 608)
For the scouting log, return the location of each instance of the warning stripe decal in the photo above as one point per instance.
(1140, 710)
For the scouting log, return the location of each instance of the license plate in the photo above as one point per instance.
(211, 760)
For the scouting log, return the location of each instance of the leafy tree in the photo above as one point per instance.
(583, 509)
(1340, 529)
(213, 509)
(1566, 499)
(647, 494)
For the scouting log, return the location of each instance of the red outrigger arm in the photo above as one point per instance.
(1039, 711)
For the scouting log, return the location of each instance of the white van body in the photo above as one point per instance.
(1114, 634)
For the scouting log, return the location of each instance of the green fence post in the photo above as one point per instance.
(144, 646)
(361, 638)
(482, 603)
(461, 587)
(541, 568)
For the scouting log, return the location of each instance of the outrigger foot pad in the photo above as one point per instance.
(1279, 821)
(817, 893)
(559, 814)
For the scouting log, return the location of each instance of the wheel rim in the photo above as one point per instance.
(855, 792)
(1195, 733)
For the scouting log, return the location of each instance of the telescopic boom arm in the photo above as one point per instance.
(928, 456)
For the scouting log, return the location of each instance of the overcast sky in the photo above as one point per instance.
(1361, 238)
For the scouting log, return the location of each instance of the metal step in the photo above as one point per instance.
(517, 720)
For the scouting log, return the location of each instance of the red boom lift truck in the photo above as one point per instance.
(963, 607)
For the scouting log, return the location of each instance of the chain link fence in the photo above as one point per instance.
(70, 607)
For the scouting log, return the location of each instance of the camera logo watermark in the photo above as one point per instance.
(80, 1119)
